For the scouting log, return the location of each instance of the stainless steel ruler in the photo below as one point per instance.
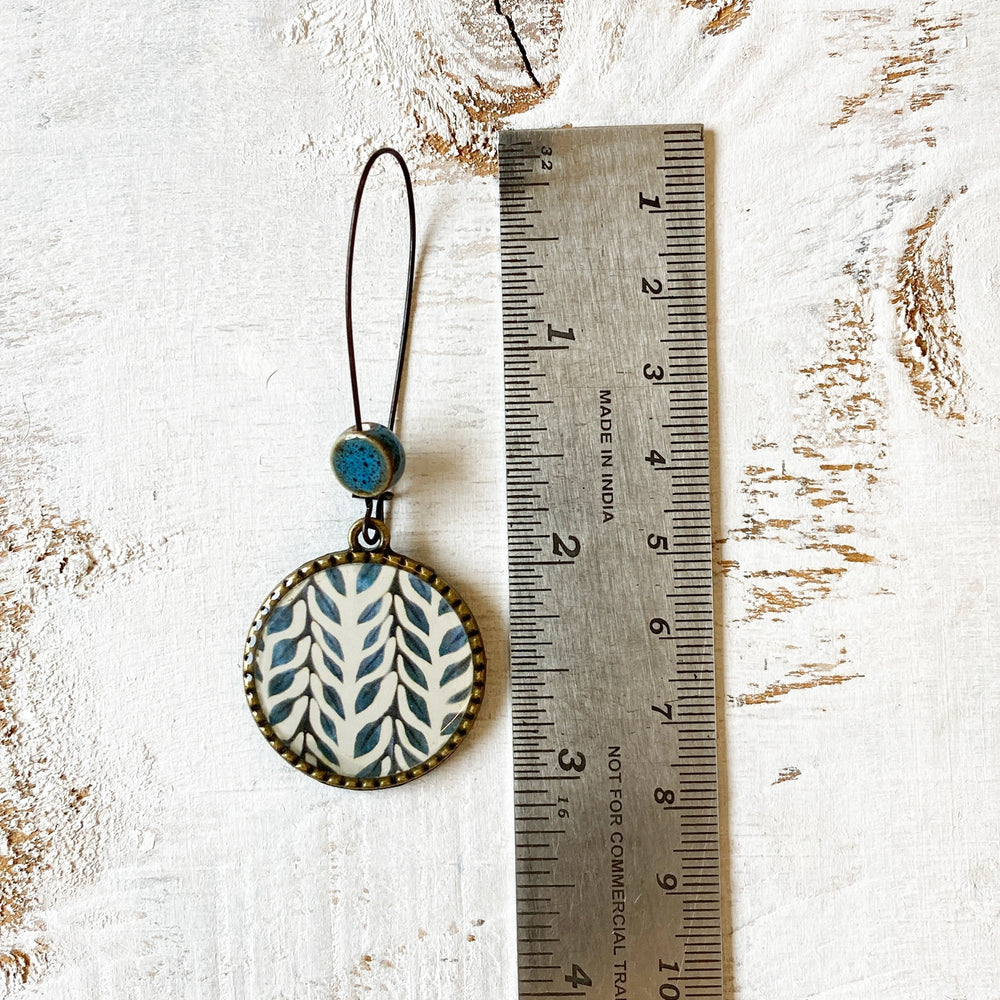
(612, 667)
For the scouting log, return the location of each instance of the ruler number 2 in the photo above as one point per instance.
(569, 548)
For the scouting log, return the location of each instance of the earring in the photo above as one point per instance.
(363, 668)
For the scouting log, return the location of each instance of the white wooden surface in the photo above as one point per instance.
(174, 187)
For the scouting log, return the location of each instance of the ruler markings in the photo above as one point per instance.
(605, 898)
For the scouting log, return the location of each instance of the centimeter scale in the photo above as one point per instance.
(612, 664)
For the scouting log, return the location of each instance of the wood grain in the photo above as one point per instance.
(176, 190)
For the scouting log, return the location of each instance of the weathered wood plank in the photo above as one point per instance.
(176, 188)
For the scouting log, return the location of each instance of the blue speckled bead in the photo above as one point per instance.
(369, 461)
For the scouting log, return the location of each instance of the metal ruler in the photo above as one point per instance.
(612, 665)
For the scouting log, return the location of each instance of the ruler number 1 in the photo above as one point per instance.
(645, 202)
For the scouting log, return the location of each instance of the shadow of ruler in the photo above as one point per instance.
(610, 548)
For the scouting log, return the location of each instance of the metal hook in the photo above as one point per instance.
(373, 525)
(404, 335)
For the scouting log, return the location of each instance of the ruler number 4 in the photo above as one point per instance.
(578, 978)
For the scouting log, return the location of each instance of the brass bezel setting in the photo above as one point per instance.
(385, 558)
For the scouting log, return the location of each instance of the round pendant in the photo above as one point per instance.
(364, 669)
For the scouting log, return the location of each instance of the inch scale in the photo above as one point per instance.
(609, 529)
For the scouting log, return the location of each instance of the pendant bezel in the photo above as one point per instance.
(385, 557)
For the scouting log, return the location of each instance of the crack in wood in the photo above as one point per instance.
(518, 43)
(451, 76)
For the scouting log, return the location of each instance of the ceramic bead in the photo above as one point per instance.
(368, 462)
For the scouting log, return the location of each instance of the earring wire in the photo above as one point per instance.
(348, 297)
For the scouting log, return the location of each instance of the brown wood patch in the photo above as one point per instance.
(930, 347)
(48, 824)
(903, 77)
(726, 14)
(798, 543)
(39, 801)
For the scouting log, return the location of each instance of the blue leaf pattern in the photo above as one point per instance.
(367, 738)
(416, 738)
(281, 711)
(333, 700)
(366, 696)
(331, 666)
(414, 672)
(450, 723)
(372, 662)
(455, 638)
(417, 646)
(370, 612)
(456, 670)
(368, 575)
(328, 727)
(326, 605)
(284, 652)
(281, 619)
(416, 615)
(325, 751)
(364, 669)
(280, 683)
(336, 580)
(418, 706)
(332, 643)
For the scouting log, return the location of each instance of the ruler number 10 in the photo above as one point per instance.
(669, 991)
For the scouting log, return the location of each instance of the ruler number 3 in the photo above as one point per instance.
(572, 761)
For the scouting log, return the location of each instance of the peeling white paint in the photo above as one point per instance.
(177, 186)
